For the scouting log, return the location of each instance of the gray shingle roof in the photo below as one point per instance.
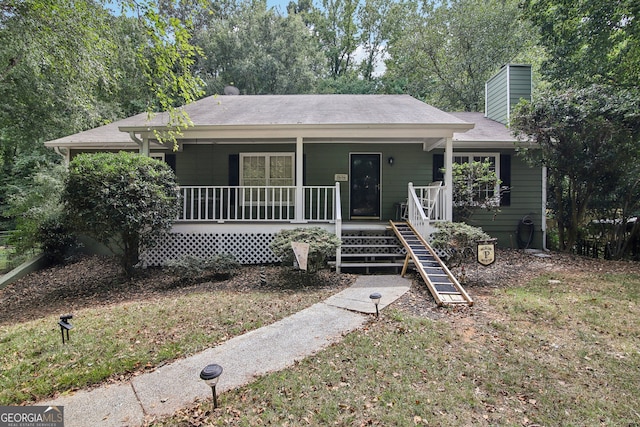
(312, 110)
(282, 110)
(485, 130)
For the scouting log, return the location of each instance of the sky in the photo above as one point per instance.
(281, 5)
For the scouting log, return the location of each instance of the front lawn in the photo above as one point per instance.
(123, 328)
(560, 350)
(549, 341)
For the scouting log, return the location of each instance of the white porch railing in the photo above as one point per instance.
(425, 205)
(255, 203)
(338, 227)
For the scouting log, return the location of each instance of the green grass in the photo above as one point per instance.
(110, 343)
(4, 259)
(541, 354)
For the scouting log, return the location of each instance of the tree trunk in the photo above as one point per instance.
(131, 256)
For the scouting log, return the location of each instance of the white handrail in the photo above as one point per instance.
(425, 205)
(433, 200)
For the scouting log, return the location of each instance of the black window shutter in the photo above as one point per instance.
(505, 177)
(234, 169)
(304, 169)
(170, 159)
(438, 164)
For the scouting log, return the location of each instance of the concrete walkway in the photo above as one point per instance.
(270, 348)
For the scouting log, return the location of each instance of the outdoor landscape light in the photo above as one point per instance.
(375, 297)
(65, 325)
(210, 374)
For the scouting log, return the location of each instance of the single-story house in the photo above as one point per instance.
(250, 166)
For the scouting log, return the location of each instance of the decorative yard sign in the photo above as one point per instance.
(301, 251)
(486, 251)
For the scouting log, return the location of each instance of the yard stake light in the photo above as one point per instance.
(375, 297)
(210, 374)
(65, 325)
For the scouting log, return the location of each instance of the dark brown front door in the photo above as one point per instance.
(365, 186)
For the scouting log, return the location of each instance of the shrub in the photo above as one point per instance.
(473, 189)
(34, 205)
(322, 244)
(191, 269)
(458, 240)
(124, 200)
(55, 239)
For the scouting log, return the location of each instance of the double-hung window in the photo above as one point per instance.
(268, 178)
(487, 191)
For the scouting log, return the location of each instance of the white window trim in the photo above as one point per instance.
(244, 201)
(471, 155)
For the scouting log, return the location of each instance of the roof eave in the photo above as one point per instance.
(361, 130)
(493, 144)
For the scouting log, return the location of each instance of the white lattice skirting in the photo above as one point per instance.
(247, 248)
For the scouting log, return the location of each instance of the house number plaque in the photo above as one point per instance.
(486, 253)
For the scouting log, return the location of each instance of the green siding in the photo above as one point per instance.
(519, 83)
(526, 200)
(411, 163)
(496, 102)
(505, 89)
(208, 165)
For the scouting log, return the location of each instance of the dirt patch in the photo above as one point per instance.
(511, 268)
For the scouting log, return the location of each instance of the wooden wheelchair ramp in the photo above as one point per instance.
(444, 287)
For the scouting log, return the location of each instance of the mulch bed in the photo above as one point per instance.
(90, 281)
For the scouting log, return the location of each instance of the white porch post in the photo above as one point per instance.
(448, 179)
(299, 214)
(142, 143)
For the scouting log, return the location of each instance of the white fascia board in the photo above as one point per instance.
(102, 145)
(492, 144)
(344, 131)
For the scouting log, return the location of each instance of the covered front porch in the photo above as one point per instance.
(242, 220)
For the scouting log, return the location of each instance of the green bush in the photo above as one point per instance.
(191, 269)
(458, 240)
(32, 206)
(124, 200)
(55, 239)
(470, 184)
(322, 244)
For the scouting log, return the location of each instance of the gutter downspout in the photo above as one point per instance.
(65, 153)
(142, 143)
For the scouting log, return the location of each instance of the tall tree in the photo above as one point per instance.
(589, 140)
(374, 28)
(63, 69)
(589, 41)
(260, 52)
(336, 29)
(444, 52)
